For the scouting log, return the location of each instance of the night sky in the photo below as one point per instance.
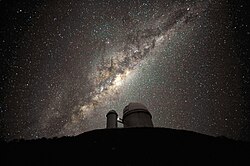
(65, 64)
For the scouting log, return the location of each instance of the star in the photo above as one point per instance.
(65, 65)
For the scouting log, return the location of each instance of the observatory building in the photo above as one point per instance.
(112, 117)
(134, 115)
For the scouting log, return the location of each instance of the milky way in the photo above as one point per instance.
(67, 63)
(144, 42)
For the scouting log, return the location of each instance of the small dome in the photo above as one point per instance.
(112, 112)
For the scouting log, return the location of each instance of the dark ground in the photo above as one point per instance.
(128, 146)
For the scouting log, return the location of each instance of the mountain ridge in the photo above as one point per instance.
(128, 146)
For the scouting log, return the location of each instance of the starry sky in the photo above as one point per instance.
(65, 64)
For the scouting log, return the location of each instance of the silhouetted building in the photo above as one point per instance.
(134, 115)
(112, 119)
